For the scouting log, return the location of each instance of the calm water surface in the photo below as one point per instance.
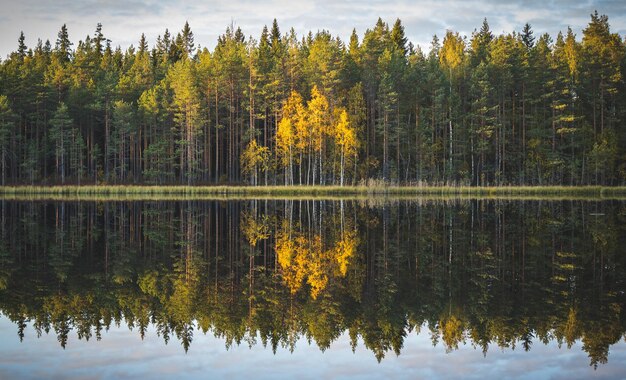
(413, 289)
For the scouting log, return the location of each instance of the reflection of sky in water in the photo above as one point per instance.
(122, 354)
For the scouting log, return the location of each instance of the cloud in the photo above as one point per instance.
(122, 354)
(124, 20)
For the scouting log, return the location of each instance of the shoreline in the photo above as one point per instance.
(156, 192)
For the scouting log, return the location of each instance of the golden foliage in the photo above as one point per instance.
(253, 157)
(345, 135)
(291, 260)
(452, 332)
(345, 250)
(319, 118)
(452, 51)
(303, 258)
(254, 229)
(285, 138)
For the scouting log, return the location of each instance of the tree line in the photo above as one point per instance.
(483, 109)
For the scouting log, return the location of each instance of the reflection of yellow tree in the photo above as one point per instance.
(303, 258)
(452, 332)
(292, 262)
(6, 266)
(254, 229)
(345, 250)
(318, 265)
(571, 327)
(183, 299)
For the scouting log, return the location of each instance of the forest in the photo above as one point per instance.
(496, 275)
(283, 109)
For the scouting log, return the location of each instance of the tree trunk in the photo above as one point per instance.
(217, 136)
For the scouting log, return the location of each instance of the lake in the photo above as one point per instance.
(380, 287)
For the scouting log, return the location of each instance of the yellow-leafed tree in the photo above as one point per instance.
(345, 138)
(291, 132)
(451, 57)
(253, 158)
(285, 138)
(319, 122)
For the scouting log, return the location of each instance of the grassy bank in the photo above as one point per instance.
(185, 192)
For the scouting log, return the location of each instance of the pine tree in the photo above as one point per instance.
(7, 127)
(491, 109)
(451, 58)
(60, 123)
(187, 44)
(21, 48)
(527, 36)
(63, 45)
(186, 106)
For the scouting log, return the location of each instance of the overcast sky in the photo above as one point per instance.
(124, 20)
(123, 354)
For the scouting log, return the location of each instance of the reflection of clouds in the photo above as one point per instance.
(125, 20)
(122, 354)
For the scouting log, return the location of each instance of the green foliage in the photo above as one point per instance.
(485, 109)
(278, 272)
(60, 136)
(7, 126)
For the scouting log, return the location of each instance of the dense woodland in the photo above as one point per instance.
(490, 274)
(485, 109)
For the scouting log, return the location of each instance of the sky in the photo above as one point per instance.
(122, 354)
(124, 20)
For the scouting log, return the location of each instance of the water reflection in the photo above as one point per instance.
(486, 273)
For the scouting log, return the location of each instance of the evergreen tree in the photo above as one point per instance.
(63, 45)
(484, 109)
(60, 130)
(7, 127)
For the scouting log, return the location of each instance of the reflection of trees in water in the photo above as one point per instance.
(476, 272)
(305, 257)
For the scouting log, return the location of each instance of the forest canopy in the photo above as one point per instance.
(484, 109)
